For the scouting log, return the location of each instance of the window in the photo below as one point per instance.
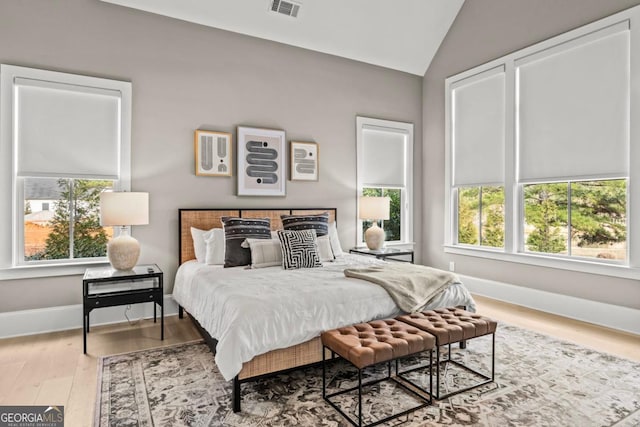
(540, 165)
(71, 230)
(393, 226)
(578, 219)
(385, 168)
(481, 216)
(69, 139)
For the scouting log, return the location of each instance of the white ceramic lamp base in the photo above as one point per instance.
(374, 237)
(123, 252)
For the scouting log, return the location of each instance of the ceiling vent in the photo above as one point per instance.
(285, 7)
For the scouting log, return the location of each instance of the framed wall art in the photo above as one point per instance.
(304, 161)
(213, 152)
(261, 162)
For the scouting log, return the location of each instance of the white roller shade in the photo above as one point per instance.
(478, 129)
(66, 130)
(573, 116)
(384, 154)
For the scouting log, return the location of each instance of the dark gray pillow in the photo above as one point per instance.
(318, 222)
(236, 230)
(299, 249)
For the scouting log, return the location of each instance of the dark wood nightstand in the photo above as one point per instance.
(107, 287)
(385, 253)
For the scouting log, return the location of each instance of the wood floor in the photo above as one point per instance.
(50, 369)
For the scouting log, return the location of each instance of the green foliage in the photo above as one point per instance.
(493, 217)
(468, 202)
(598, 212)
(392, 225)
(545, 209)
(79, 200)
(27, 208)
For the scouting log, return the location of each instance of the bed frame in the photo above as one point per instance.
(275, 361)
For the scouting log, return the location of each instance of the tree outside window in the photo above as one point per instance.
(481, 216)
(580, 218)
(71, 229)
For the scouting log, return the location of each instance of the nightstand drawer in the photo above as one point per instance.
(123, 299)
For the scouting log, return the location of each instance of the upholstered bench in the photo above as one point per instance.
(367, 344)
(453, 325)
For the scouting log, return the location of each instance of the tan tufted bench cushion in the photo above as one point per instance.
(451, 325)
(366, 344)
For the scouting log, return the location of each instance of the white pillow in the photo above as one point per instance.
(214, 246)
(324, 248)
(264, 252)
(198, 243)
(335, 241)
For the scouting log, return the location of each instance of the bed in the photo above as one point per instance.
(267, 320)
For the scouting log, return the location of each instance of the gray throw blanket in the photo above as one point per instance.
(411, 286)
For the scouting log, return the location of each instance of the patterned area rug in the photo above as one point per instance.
(540, 381)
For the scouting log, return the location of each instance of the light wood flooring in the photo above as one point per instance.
(50, 369)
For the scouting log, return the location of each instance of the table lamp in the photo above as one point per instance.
(374, 209)
(122, 209)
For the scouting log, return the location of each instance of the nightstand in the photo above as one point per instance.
(385, 253)
(107, 287)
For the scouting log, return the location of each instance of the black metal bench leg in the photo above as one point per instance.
(360, 397)
(493, 356)
(463, 344)
(180, 312)
(430, 376)
(236, 394)
(437, 371)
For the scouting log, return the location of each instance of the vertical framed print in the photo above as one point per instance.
(304, 161)
(213, 153)
(261, 162)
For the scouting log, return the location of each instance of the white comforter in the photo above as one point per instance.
(253, 311)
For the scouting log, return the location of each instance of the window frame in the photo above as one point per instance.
(12, 263)
(406, 192)
(514, 202)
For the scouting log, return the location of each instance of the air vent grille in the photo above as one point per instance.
(285, 7)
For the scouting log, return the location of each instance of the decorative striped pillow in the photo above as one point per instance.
(319, 222)
(236, 230)
(299, 249)
(264, 253)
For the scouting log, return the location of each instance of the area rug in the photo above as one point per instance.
(540, 381)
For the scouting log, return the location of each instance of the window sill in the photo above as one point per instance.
(579, 265)
(49, 270)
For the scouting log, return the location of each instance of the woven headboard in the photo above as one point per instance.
(206, 219)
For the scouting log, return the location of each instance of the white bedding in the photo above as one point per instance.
(253, 311)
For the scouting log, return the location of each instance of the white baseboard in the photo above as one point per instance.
(599, 313)
(42, 320)
(38, 321)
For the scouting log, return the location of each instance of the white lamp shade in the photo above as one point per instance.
(124, 208)
(374, 207)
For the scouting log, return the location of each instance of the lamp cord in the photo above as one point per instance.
(131, 322)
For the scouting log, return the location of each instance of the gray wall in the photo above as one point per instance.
(186, 77)
(485, 30)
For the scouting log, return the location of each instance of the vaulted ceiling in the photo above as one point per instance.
(398, 34)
